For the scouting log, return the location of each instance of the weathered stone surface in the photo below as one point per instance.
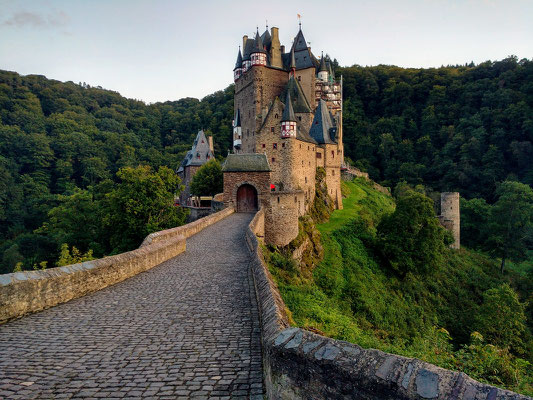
(427, 384)
(188, 328)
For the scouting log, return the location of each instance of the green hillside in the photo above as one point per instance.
(352, 294)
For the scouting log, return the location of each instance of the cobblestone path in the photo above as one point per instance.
(188, 328)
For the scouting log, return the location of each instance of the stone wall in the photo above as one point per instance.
(30, 291)
(281, 218)
(299, 364)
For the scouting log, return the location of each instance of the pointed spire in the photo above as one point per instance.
(258, 48)
(292, 66)
(323, 67)
(238, 64)
(288, 112)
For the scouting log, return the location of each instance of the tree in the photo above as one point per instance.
(501, 318)
(474, 222)
(411, 238)
(511, 222)
(142, 203)
(208, 180)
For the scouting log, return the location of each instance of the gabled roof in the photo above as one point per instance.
(323, 128)
(288, 112)
(299, 101)
(246, 163)
(238, 64)
(199, 154)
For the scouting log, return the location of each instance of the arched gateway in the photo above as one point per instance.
(246, 199)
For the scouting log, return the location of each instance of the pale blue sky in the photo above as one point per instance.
(164, 50)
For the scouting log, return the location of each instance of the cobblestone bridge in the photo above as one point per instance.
(187, 328)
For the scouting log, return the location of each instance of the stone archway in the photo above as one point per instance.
(247, 198)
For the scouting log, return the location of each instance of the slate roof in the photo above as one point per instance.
(246, 163)
(267, 39)
(258, 44)
(248, 47)
(300, 103)
(199, 154)
(323, 66)
(288, 112)
(238, 64)
(323, 129)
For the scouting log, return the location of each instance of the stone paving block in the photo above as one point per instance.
(188, 328)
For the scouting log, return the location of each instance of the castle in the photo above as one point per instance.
(288, 122)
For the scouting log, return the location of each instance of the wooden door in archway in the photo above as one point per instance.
(246, 199)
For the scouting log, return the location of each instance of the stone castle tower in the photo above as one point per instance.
(450, 216)
(288, 122)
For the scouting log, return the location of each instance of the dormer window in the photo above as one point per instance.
(197, 155)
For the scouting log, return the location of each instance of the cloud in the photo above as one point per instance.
(23, 19)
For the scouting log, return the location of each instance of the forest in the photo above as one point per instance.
(68, 151)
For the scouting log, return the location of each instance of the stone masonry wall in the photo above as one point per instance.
(281, 218)
(233, 180)
(30, 291)
(299, 364)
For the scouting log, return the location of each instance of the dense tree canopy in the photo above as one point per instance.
(458, 128)
(61, 146)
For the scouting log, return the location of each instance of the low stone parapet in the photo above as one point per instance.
(299, 364)
(30, 291)
(189, 229)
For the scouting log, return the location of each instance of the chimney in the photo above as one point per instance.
(275, 51)
(244, 40)
(282, 49)
(210, 140)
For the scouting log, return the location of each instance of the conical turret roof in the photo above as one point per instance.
(323, 125)
(288, 112)
(238, 64)
(323, 66)
(293, 61)
(258, 48)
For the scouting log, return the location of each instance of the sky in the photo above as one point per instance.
(158, 50)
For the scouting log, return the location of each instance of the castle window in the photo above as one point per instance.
(318, 155)
(263, 145)
(300, 145)
(333, 172)
(295, 199)
(273, 159)
(306, 179)
(271, 129)
(202, 141)
(197, 155)
(276, 116)
(274, 146)
(302, 163)
(332, 154)
(278, 199)
(299, 118)
(283, 145)
(307, 147)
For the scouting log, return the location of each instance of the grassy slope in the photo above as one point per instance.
(349, 296)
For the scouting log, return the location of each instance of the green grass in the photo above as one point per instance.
(349, 295)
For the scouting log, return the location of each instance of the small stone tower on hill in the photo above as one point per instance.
(288, 110)
(450, 216)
